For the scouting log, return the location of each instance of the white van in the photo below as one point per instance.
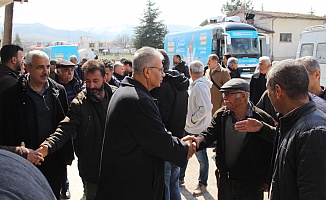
(313, 43)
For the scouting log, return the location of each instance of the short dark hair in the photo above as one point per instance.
(93, 65)
(108, 64)
(292, 77)
(166, 61)
(9, 51)
(227, 55)
(177, 55)
(214, 57)
(127, 62)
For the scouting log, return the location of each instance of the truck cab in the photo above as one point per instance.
(313, 43)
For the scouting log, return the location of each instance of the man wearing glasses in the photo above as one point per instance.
(243, 158)
(136, 142)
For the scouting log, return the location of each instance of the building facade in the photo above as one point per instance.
(283, 29)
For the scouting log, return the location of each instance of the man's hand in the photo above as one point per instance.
(248, 125)
(33, 156)
(191, 148)
(192, 143)
(43, 150)
(192, 138)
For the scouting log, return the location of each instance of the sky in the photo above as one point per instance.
(76, 14)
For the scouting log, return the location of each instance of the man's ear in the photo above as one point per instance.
(146, 72)
(26, 67)
(13, 60)
(278, 91)
(317, 74)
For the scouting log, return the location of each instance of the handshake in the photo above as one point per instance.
(192, 143)
(35, 156)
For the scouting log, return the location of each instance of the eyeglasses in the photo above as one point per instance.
(226, 94)
(159, 68)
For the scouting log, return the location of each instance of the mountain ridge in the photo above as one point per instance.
(36, 32)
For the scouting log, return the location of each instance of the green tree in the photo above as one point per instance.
(17, 40)
(233, 5)
(151, 32)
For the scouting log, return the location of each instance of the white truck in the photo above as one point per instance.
(313, 43)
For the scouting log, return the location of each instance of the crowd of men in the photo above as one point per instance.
(134, 124)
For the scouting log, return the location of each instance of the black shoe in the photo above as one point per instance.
(65, 194)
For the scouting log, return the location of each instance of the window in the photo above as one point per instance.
(321, 53)
(285, 37)
(306, 49)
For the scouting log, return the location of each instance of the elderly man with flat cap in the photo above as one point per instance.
(65, 76)
(243, 158)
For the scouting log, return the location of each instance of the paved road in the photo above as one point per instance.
(191, 178)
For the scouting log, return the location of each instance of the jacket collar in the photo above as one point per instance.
(290, 119)
(129, 81)
(7, 70)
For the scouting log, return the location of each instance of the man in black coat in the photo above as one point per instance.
(258, 80)
(86, 116)
(299, 150)
(172, 97)
(12, 60)
(180, 65)
(31, 110)
(136, 142)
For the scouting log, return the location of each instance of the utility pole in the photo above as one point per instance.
(7, 32)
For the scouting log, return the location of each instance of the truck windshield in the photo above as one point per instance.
(243, 46)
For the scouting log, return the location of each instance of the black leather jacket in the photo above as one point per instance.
(299, 169)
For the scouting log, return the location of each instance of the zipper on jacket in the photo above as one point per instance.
(88, 124)
(45, 102)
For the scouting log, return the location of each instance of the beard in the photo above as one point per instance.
(95, 91)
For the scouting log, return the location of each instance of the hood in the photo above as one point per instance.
(179, 81)
(202, 80)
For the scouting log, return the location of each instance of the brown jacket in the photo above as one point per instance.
(220, 76)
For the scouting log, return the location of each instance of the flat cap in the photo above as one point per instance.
(235, 84)
(64, 63)
(53, 62)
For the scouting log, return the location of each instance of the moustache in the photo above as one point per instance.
(44, 75)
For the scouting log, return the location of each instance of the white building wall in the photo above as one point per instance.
(285, 50)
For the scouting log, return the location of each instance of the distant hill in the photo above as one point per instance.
(33, 33)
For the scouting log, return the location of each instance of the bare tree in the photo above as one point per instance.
(124, 41)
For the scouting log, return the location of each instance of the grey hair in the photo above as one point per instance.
(291, 76)
(232, 60)
(73, 57)
(266, 59)
(145, 57)
(310, 63)
(35, 53)
(196, 67)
